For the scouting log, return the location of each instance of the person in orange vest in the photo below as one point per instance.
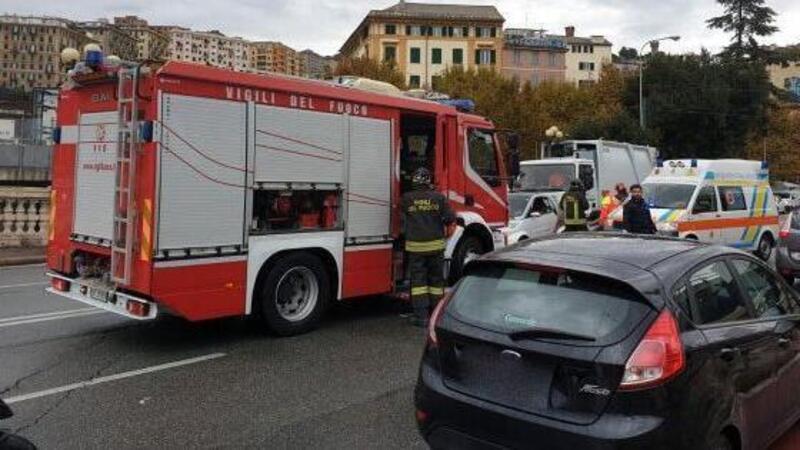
(608, 204)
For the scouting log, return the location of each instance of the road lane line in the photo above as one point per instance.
(46, 314)
(108, 378)
(11, 286)
(92, 312)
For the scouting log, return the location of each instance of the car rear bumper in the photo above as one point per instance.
(786, 264)
(454, 420)
(114, 301)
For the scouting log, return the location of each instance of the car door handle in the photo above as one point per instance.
(728, 354)
(784, 342)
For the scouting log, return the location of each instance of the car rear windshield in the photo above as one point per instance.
(511, 300)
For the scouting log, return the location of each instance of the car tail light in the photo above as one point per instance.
(421, 416)
(436, 316)
(783, 234)
(140, 309)
(59, 284)
(658, 357)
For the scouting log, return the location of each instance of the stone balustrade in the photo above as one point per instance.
(24, 215)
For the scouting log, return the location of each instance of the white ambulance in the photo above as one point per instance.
(726, 201)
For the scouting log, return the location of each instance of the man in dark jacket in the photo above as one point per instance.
(636, 214)
(573, 208)
(425, 215)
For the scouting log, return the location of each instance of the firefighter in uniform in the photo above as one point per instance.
(573, 207)
(426, 219)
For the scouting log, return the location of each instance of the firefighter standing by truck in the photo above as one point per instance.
(573, 208)
(426, 219)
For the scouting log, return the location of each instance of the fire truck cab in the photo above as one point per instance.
(208, 193)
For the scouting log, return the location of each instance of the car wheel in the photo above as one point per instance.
(295, 294)
(469, 248)
(764, 249)
(720, 442)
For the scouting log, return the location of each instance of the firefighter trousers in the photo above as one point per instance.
(427, 281)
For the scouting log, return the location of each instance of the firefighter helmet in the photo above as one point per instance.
(422, 176)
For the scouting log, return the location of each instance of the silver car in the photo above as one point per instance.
(787, 258)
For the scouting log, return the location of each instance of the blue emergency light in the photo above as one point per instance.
(694, 164)
(461, 104)
(659, 162)
(94, 59)
(764, 165)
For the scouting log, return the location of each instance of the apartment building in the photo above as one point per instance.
(209, 47)
(275, 57)
(585, 57)
(534, 57)
(151, 43)
(112, 39)
(31, 48)
(424, 40)
(313, 65)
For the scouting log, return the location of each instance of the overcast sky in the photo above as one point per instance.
(323, 25)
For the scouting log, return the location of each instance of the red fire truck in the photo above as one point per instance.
(208, 193)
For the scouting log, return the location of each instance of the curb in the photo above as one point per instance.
(20, 260)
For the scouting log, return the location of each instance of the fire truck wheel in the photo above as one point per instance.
(468, 248)
(295, 294)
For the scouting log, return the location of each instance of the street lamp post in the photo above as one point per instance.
(652, 43)
(553, 134)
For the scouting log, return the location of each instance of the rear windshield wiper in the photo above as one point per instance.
(528, 333)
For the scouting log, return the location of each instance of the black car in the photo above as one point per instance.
(612, 342)
(787, 258)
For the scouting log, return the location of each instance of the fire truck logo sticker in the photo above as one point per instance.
(100, 133)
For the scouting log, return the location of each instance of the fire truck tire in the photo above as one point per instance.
(468, 248)
(295, 294)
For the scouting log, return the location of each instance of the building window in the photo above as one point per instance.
(588, 66)
(438, 31)
(389, 29)
(517, 54)
(415, 55)
(464, 31)
(436, 56)
(493, 32)
(458, 56)
(553, 59)
(534, 59)
(413, 81)
(389, 53)
(485, 56)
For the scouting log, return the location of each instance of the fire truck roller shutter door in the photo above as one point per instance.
(293, 145)
(94, 175)
(203, 173)
(369, 177)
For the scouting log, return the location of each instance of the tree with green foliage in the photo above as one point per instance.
(369, 68)
(701, 106)
(628, 53)
(747, 20)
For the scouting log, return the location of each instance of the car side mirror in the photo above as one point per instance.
(5, 411)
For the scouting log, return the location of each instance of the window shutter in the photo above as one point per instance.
(477, 57)
(494, 57)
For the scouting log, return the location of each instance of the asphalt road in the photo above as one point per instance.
(168, 383)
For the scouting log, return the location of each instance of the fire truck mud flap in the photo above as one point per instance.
(102, 296)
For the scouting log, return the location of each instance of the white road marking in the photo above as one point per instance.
(10, 286)
(46, 317)
(106, 379)
(21, 266)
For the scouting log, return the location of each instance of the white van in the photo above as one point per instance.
(727, 201)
